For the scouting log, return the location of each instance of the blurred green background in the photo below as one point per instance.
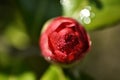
(20, 25)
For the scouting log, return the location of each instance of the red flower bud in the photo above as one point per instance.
(64, 41)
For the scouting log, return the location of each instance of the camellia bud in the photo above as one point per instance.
(64, 41)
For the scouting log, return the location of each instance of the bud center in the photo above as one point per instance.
(67, 41)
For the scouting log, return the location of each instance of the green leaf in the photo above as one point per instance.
(93, 14)
(54, 73)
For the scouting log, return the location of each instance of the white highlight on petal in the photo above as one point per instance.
(48, 58)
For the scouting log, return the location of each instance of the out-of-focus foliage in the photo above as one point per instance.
(93, 14)
(36, 12)
(20, 25)
(6, 14)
